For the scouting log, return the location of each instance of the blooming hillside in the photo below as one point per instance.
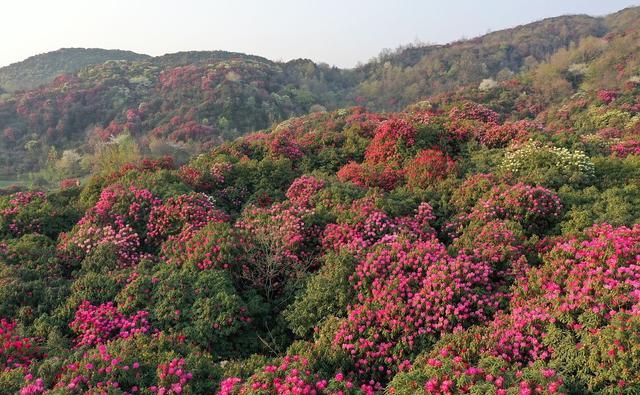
(452, 247)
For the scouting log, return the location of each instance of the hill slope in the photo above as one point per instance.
(190, 101)
(42, 69)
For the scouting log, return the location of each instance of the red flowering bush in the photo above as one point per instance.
(205, 179)
(371, 225)
(126, 366)
(215, 246)
(119, 207)
(285, 145)
(391, 137)
(281, 243)
(428, 167)
(472, 190)
(457, 365)
(289, 375)
(501, 243)
(607, 96)
(626, 148)
(364, 175)
(15, 351)
(501, 135)
(172, 378)
(69, 183)
(470, 119)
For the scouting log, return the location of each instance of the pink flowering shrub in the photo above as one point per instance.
(503, 244)
(607, 96)
(626, 148)
(535, 208)
(302, 190)
(281, 242)
(470, 119)
(184, 213)
(114, 369)
(99, 324)
(501, 135)
(457, 365)
(172, 378)
(472, 190)
(119, 218)
(371, 224)
(216, 246)
(409, 294)
(87, 238)
(285, 145)
(289, 375)
(23, 212)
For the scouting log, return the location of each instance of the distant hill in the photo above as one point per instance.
(196, 100)
(42, 69)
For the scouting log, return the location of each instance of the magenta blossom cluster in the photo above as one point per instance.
(99, 324)
(172, 378)
(371, 225)
(303, 188)
(409, 293)
(14, 205)
(290, 376)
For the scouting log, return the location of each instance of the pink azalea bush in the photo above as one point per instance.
(99, 324)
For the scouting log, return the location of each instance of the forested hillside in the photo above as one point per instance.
(42, 69)
(484, 240)
(183, 104)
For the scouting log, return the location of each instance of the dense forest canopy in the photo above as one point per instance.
(482, 239)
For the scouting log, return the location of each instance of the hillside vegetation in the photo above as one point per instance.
(185, 103)
(44, 68)
(485, 240)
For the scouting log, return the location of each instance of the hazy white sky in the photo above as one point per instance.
(339, 32)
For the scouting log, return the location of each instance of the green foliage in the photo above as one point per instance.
(328, 293)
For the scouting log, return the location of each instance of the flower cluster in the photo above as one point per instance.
(409, 293)
(303, 188)
(626, 148)
(535, 208)
(99, 324)
(172, 378)
(501, 135)
(607, 96)
(389, 138)
(184, 213)
(88, 237)
(428, 167)
(533, 160)
(15, 350)
(381, 176)
(371, 225)
(14, 210)
(290, 376)
(285, 145)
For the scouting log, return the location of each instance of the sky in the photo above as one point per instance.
(337, 32)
